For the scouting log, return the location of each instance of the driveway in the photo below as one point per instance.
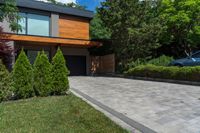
(145, 105)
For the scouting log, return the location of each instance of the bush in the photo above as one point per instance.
(135, 63)
(23, 77)
(59, 74)
(42, 75)
(177, 73)
(161, 61)
(5, 83)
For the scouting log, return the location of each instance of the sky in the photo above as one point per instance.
(90, 4)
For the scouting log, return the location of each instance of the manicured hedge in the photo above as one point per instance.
(176, 73)
(22, 75)
(60, 82)
(42, 83)
(41, 79)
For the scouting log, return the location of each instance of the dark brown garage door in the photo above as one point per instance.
(76, 65)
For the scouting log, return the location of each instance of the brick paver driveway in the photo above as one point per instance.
(162, 107)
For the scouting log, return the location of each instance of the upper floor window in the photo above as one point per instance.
(34, 24)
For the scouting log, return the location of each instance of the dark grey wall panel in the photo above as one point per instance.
(38, 5)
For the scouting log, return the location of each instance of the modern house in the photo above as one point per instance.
(46, 26)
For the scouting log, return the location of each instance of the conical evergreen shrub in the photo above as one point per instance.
(42, 75)
(5, 83)
(59, 74)
(23, 77)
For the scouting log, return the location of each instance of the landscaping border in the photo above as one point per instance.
(182, 82)
(130, 122)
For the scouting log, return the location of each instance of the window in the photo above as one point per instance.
(33, 24)
(22, 22)
(31, 54)
(197, 55)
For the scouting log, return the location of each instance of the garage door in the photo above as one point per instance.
(76, 65)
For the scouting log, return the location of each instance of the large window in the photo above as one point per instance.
(32, 54)
(22, 22)
(34, 24)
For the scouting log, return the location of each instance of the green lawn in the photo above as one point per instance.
(62, 114)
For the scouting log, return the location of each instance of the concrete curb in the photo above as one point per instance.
(154, 79)
(120, 116)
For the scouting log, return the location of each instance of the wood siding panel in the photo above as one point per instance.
(103, 64)
(46, 40)
(73, 27)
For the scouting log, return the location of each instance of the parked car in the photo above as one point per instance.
(192, 60)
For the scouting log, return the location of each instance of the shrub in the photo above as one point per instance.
(177, 73)
(59, 74)
(135, 63)
(5, 83)
(161, 61)
(23, 77)
(42, 75)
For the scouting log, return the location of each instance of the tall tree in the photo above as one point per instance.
(182, 25)
(9, 13)
(98, 30)
(134, 26)
(71, 4)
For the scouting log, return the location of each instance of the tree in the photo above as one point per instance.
(182, 25)
(22, 75)
(71, 4)
(59, 74)
(134, 27)
(98, 30)
(5, 83)
(75, 5)
(42, 75)
(8, 12)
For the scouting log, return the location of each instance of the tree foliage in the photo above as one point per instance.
(42, 75)
(23, 77)
(134, 26)
(59, 74)
(5, 83)
(98, 30)
(71, 4)
(9, 12)
(182, 25)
